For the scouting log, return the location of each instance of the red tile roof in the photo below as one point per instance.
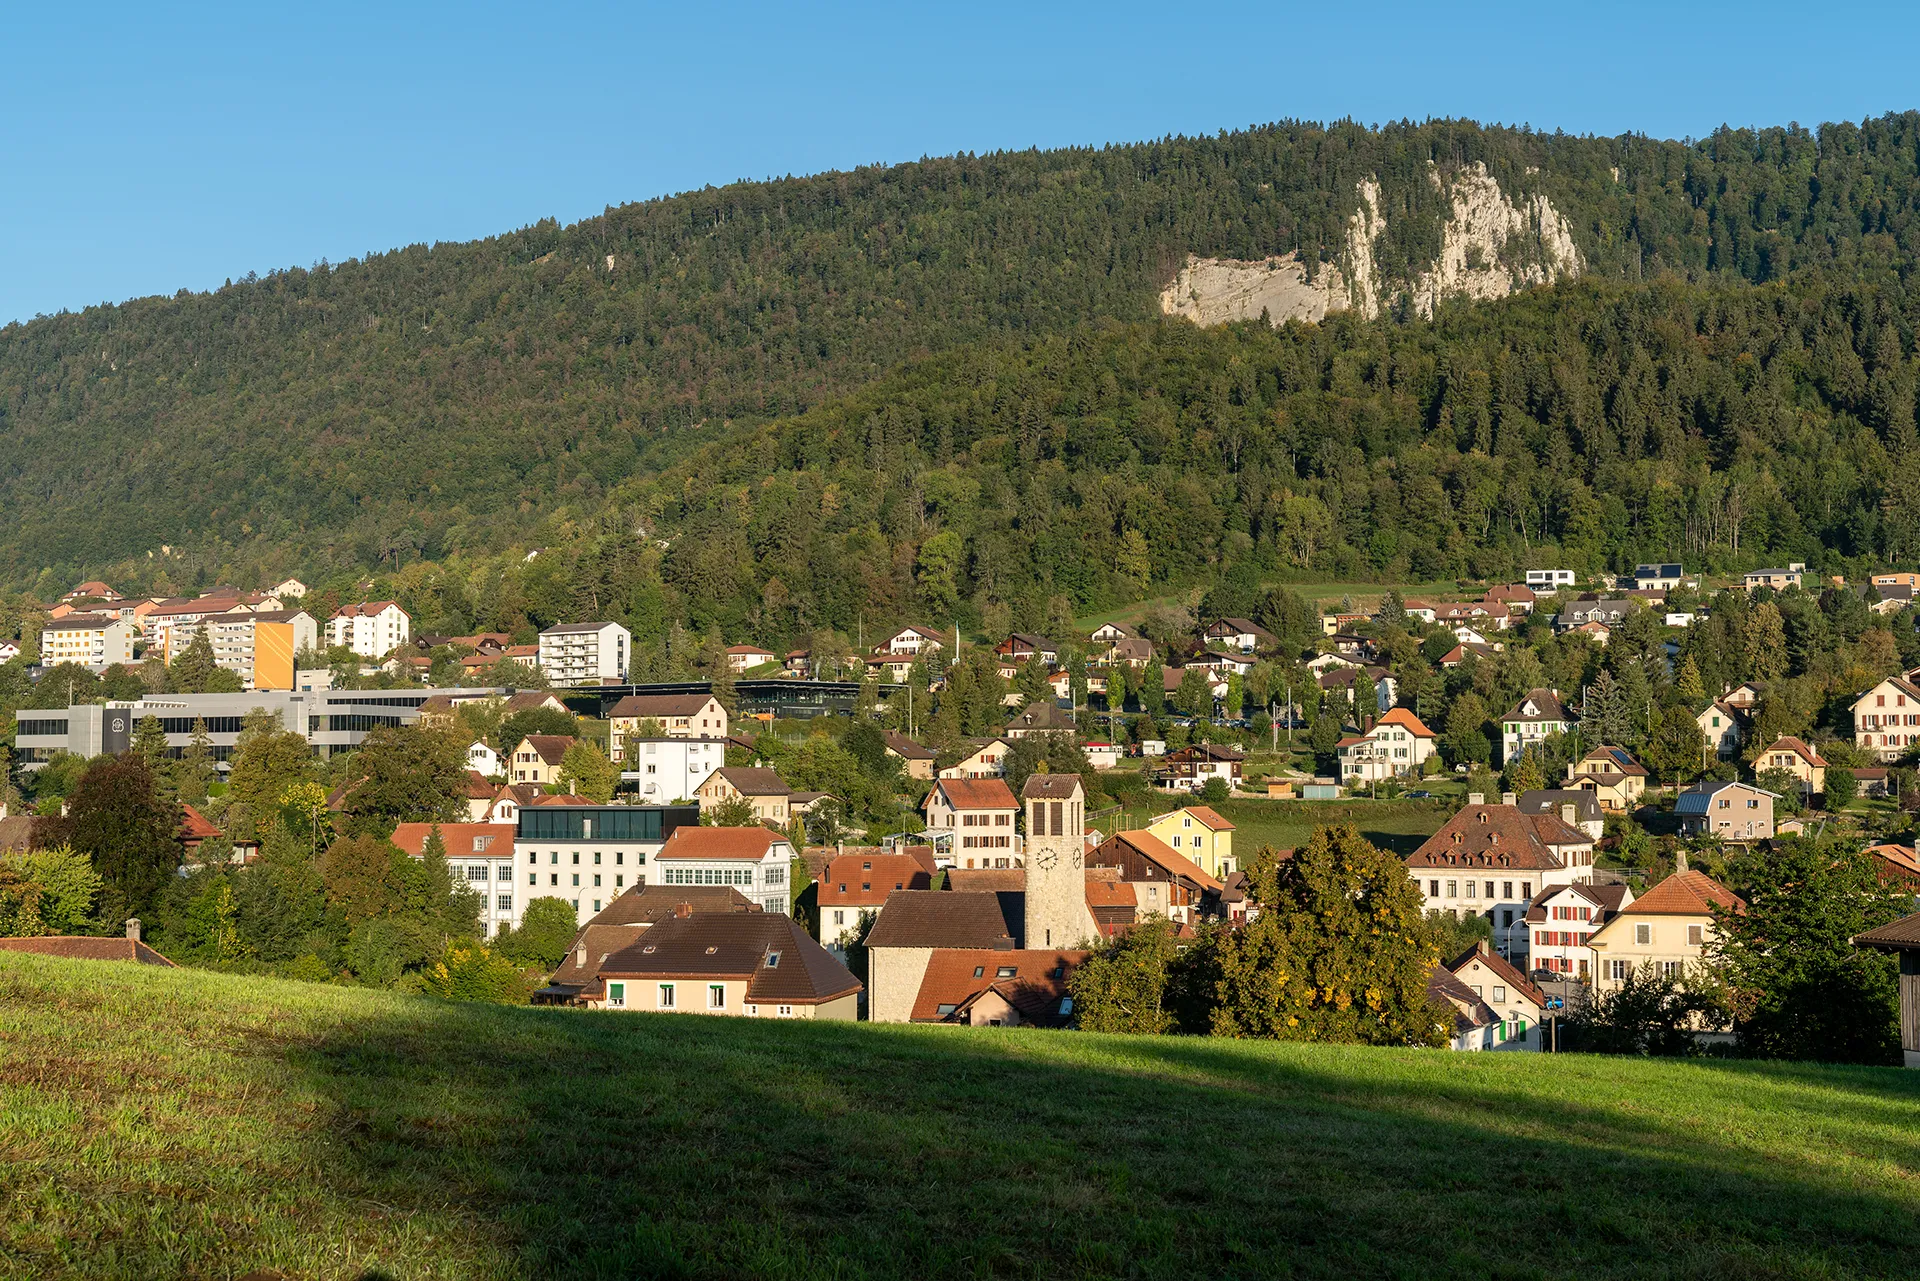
(463, 840)
(718, 842)
(1408, 721)
(978, 794)
(76, 948)
(1499, 965)
(1490, 836)
(1685, 894)
(1032, 982)
(1209, 817)
(865, 880)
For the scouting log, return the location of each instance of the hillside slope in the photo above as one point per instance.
(426, 401)
(189, 1124)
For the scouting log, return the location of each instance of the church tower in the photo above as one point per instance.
(1057, 915)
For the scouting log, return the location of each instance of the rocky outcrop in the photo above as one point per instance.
(1489, 247)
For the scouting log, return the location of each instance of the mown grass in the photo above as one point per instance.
(162, 1124)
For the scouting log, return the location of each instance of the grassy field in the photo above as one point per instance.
(180, 1124)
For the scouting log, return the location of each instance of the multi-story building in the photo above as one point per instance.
(94, 641)
(978, 815)
(763, 789)
(332, 721)
(585, 653)
(371, 629)
(1531, 720)
(1612, 775)
(660, 770)
(746, 964)
(678, 716)
(1669, 928)
(260, 647)
(855, 886)
(590, 854)
(910, 640)
(1490, 860)
(536, 758)
(480, 855)
(1399, 743)
(1548, 581)
(753, 860)
(1563, 918)
(1794, 756)
(1731, 811)
(1199, 834)
(1886, 719)
(1778, 579)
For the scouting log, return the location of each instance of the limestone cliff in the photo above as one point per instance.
(1489, 247)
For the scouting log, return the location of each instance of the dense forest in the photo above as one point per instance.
(940, 389)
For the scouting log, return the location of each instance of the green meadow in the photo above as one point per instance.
(186, 1124)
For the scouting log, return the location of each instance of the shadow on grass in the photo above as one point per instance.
(566, 1144)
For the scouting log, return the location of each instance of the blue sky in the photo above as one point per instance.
(148, 148)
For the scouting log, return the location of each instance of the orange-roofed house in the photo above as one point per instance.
(1798, 759)
(753, 860)
(1165, 883)
(1399, 743)
(1198, 833)
(979, 987)
(977, 815)
(480, 855)
(856, 885)
(1669, 928)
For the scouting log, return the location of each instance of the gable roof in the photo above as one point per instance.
(463, 840)
(1406, 720)
(642, 706)
(1788, 743)
(549, 747)
(950, 918)
(1619, 758)
(1485, 954)
(77, 948)
(770, 949)
(1698, 798)
(1545, 705)
(1242, 626)
(592, 947)
(1548, 800)
(1165, 857)
(1488, 836)
(1204, 815)
(365, 609)
(905, 748)
(1687, 893)
(1041, 715)
(1444, 985)
(754, 782)
(1901, 936)
(739, 843)
(1037, 986)
(977, 793)
(1050, 787)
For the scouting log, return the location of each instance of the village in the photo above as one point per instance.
(940, 830)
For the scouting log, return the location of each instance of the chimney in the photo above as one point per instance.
(133, 928)
(1483, 947)
(1506, 798)
(1566, 814)
(683, 909)
(1476, 798)
(580, 955)
(1679, 862)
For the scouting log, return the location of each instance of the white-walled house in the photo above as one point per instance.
(484, 759)
(1398, 744)
(1563, 918)
(585, 653)
(662, 770)
(1721, 725)
(1490, 860)
(1535, 717)
(1886, 719)
(371, 629)
(753, 860)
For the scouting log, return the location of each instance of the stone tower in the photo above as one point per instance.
(1057, 915)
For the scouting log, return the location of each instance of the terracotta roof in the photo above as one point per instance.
(75, 948)
(591, 948)
(550, 747)
(194, 825)
(1901, 861)
(1900, 936)
(1547, 703)
(718, 842)
(865, 880)
(748, 649)
(1109, 891)
(754, 782)
(496, 839)
(1483, 953)
(1489, 836)
(986, 879)
(1686, 894)
(479, 788)
(648, 904)
(1034, 983)
(1408, 721)
(1050, 787)
(977, 793)
(938, 918)
(564, 798)
(366, 609)
(1788, 743)
(769, 949)
(1554, 830)
(1207, 817)
(642, 706)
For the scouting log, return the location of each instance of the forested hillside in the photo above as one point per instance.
(469, 400)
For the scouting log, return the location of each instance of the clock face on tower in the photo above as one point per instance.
(1046, 859)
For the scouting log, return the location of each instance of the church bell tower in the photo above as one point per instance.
(1057, 915)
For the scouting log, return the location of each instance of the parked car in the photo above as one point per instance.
(1420, 795)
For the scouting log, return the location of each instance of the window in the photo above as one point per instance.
(1619, 970)
(839, 916)
(1643, 935)
(666, 996)
(1526, 889)
(979, 971)
(1694, 933)
(596, 905)
(1489, 889)
(1006, 971)
(505, 902)
(773, 960)
(1499, 993)
(533, 878)
(716, 996)
(576, 880)
(554, 878)
(786, 1011)
(617, 996)
(596, 880)
(1473, 889)
(1506, 889)
(1453, 889)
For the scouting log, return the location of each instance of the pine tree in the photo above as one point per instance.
(195, 770)
(1688, 683)
(192, 672)
(1766, 648)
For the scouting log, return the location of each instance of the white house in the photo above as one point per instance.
(662, 770)
(909, 640)
(1886, 719)
(9, 650)
(1500, 989)
(741, 658)
(988, 760)
(585, 653)
(753, 860)
(288, 589)
(1532, 719)
(484, 759)
(481, 855)
(978, 814)
(371, 629)
(1560, 921)
(1548, 581)
(1398, 744)
(1720, 723)
(1490, 860)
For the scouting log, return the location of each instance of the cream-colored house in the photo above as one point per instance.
(1731, 811)
(745, 964)
(1720, 724)
(1798, 759)
(678, 715)
(1886, 719)
(1612, 775)
(1398, 744)
(1199, 835)
(537, 757)
(1669, 927)
(988, 760)
(763, 788)
(96, 641)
